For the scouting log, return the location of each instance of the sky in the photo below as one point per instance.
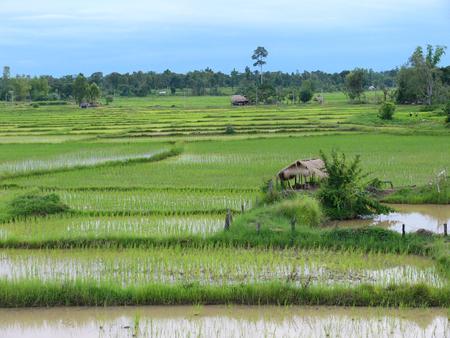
(59, 37)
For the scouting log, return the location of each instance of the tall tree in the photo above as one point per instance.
(80, 88)
(93, 93)
(259, 55)
(354, 84)
(426, 66)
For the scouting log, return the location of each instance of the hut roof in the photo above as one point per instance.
(306, 168)
(238, 98)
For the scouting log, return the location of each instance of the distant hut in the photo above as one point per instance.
(305, 173)
(239, 100)
(84, 105)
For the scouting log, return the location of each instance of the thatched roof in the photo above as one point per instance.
(305, 168)
(239, 99)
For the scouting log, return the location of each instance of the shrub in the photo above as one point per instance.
(229, 130)
(35, 105)
(305, 210)
(109, 99)
(33, 204)
(342, 193)
(306, 95)
(386, 111)
(446, 112)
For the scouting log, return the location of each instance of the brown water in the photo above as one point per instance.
(223, 321)
(415, 217)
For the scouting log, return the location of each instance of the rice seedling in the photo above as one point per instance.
(217, 266)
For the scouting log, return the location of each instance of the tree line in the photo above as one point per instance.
(420, 80)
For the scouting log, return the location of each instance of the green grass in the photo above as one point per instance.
(427, 194)
(35, 293)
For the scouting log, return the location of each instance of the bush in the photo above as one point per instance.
(35, 105)
(446, 112)
(109, 99)
(306, 95)
(305, 210)
(342, 193)
(33, 204)
(229, 130)
(386, 111)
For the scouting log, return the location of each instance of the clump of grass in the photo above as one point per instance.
(35, 204)
(304, 210)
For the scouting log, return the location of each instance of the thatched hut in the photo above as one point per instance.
(239, 100)
(305, 173)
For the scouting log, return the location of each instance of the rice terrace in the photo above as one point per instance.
(255, 203)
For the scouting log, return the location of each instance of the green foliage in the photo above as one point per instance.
(386, 111)
(80, 88)
(304, 210)
(109, 99)
(93, 93)
(229, 130)
(354, 84)
(34, 204)
(306, 91)
(342, 193)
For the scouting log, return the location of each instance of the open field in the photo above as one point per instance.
(148, 186)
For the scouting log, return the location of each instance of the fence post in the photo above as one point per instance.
(258, 227)
(228, 220)
(403, 230)
(445, 229)
(293, 221)
(242, 207)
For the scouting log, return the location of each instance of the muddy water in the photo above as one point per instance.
(415, 217)
(223, 321)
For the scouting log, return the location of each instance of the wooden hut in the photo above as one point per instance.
(239, 100)
(306, 174)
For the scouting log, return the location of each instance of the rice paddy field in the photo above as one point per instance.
(149, 181)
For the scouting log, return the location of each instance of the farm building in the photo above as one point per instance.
(305, 173)
(239, 100)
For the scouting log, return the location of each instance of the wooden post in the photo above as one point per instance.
(445, 229)
(403, 230)
(227, 220)
(293, 221)
(258, 227)
(242, 207)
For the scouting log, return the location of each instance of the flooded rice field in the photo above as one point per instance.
(217, 266)
(415, 217)
(223, 321)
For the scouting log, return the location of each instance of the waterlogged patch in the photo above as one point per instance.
(217, 266)
(221, 321)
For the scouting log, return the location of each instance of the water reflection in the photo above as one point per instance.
(223, 321)
(415, 217)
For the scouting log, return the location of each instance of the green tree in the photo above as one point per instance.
(343, 193)
(21, 87)
(93, 93)
(354, 84)
(425, 64)
(80, 88)
(259, 55)
(39, 88)
(306, 91)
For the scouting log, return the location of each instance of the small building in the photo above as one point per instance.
(372, 88)
(84, 105)
(239, 100)
(303, 174)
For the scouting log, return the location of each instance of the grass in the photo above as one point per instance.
(35, 293)
(427, 194)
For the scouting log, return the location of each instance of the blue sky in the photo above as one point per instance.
(68, 36)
